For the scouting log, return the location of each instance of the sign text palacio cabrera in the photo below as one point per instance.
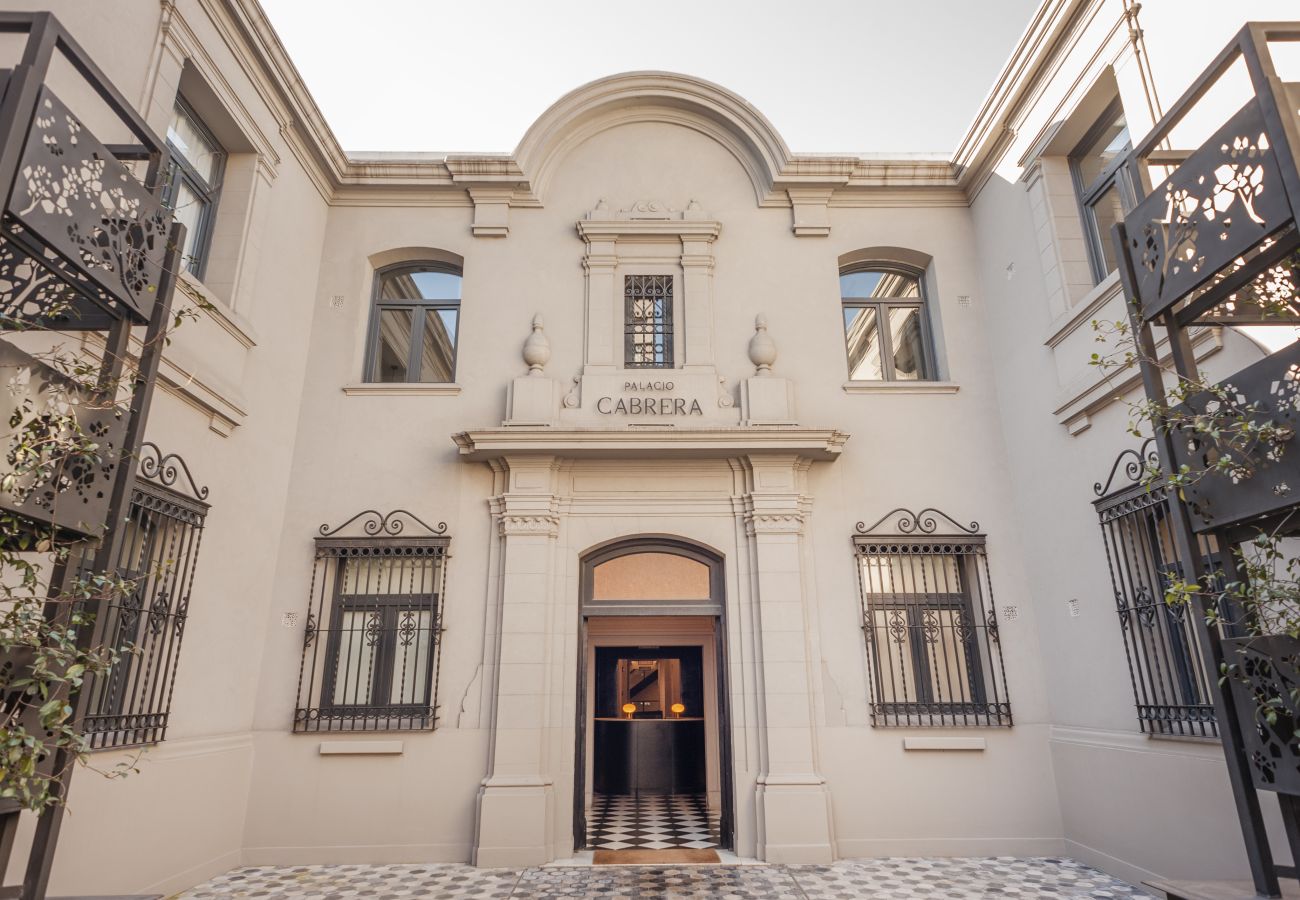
(638, 405)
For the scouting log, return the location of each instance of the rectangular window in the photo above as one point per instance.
(371, 646)
(1103, 186)
(884, 326)
(932, 635)
(193, 182)
(648, 321)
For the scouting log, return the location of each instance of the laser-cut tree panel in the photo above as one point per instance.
(1219, 205)
(1265, 477)
(75, 198)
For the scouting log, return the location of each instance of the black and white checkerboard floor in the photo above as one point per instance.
(651, 822)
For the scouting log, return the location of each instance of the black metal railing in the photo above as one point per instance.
(373, 631)
(931, 630)
(1171, 689)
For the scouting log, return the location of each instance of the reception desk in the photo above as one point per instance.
(656, 756)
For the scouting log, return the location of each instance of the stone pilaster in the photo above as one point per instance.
(793, 805)
(515, 801)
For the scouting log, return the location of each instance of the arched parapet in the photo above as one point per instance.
(653, 97)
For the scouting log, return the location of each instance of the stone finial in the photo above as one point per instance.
(537, 349)
(762, 349)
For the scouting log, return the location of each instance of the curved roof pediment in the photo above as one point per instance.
(653, 97)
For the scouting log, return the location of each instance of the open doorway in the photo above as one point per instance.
(653, 754)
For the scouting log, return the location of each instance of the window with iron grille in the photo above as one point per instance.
(648, 321)
(1171, 688)
(129, 705)
(932, 634)
(373, 631)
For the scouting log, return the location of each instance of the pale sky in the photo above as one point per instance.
(847, 76)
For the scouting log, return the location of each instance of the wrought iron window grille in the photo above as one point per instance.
(932, 635)
(129, 706)
(1171, 689)
(373, 634)
(648, 321)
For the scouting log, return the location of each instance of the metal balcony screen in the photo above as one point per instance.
(130, 704)
(372, 636)
(1171, 688)
(648, 321)
(932, 636)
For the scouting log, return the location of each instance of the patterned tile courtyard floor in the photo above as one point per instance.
(888, 879)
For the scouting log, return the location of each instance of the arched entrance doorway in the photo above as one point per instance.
(653, 744)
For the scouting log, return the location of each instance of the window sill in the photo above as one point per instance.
(221, 312)
(901, 387)
(401, 390)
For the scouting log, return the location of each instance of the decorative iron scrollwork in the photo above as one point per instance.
(924, 522)
(377, 524)
(1136, 464)
(164, 469)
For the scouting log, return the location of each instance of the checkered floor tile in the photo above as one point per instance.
(651, 822)
(1004, 878)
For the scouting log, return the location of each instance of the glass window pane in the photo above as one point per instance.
(1109, 146)
(189, 208)
(910, 575)
(388, 575)
(895, 669)
(949, 637)
(875, 285)
(1106, 212)
(905, 335)
(199, 151)
(394, 345)
(359, 631)
(420, 284)
(411, 657)
(863, 340)
(651, 576)
(438, 350)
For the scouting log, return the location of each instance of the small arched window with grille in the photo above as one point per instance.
(414, 324)
(886, 333)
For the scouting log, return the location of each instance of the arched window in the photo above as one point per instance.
(413, 324)
(885, 331)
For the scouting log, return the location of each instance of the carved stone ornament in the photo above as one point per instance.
(762, 349)
(537, 349)
(775, 523)
(522, 524)
(647, 210)
(725, 400)
(571, 398)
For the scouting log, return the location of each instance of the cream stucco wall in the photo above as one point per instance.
(261, 399)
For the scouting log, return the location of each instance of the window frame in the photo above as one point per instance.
(181, 169)
(419, 309)
(391, 606)
(881, 308)
(1087, 195)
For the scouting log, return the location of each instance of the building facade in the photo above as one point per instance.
(508, 456)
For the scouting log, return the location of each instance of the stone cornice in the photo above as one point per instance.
(650, 442)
